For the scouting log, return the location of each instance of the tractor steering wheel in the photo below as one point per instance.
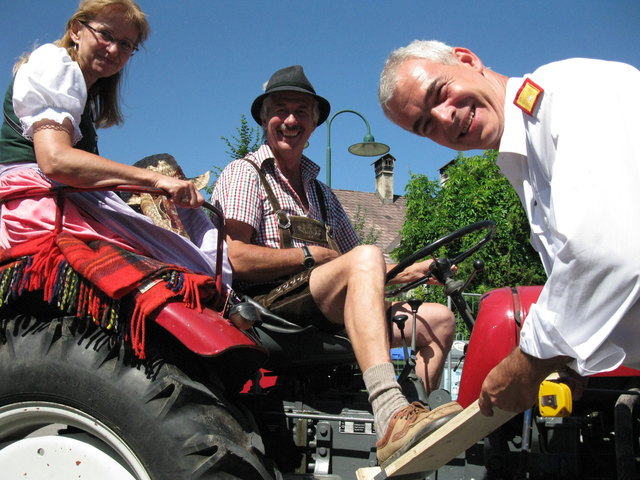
(487, 225)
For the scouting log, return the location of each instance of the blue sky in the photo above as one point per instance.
(206, 61)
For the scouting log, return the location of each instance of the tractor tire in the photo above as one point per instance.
(69, 386)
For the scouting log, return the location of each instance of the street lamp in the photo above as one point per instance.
(367, 148)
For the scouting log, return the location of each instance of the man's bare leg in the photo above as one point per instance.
(436, 328)
(349, 291)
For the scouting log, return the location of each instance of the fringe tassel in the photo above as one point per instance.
(11, 279)
(192, 287)
(43, 264)
(138, 331)
(145, 305)
(61, 286)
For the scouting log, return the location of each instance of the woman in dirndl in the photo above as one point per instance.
(61, 92)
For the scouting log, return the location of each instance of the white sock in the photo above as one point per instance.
(385, 395)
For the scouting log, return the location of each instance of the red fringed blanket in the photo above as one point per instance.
(89, 279)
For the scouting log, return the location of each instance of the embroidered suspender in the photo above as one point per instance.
(296, 226)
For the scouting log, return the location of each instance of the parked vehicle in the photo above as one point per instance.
(238, 393)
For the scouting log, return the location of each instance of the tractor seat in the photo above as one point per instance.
(291, 346)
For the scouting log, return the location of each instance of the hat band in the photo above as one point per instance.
(305, 86)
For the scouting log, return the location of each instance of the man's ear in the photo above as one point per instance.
(468, 58)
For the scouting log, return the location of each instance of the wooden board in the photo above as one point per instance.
(446, 443)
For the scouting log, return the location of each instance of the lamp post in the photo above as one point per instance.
(367, 148)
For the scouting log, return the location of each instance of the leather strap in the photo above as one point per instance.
(296, 226)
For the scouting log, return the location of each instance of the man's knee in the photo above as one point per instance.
(366, 258)
(440, 319)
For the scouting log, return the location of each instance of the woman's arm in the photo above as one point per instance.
(60, 161)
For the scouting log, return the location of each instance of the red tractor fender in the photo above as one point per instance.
(205, 333)
(497, 332)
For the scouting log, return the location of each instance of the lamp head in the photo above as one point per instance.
(369, 147)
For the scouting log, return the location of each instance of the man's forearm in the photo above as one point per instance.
(513, 384)
(257, 263)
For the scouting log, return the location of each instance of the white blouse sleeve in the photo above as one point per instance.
(50, 85)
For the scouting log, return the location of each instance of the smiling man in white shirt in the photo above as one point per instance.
(568, 141)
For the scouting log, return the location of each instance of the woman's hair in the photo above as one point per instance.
(431, 50)
(106, 91)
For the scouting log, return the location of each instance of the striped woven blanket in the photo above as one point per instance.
(89, 280)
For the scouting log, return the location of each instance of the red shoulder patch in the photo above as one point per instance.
(528, 96)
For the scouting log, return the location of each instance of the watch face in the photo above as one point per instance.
(309, 261)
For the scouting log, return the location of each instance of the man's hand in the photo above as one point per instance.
(513, 384)
(417, 271)
(322, 255)
(412, 273)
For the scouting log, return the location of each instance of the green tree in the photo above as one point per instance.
(474, 190)
(247, 140)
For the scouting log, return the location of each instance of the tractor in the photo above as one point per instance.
(232, 391)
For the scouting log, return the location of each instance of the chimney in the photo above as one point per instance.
(384, 177)
(444, 176)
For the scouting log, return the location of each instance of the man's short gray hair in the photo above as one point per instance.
(431, 50)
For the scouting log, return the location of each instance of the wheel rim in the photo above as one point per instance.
(26, 428)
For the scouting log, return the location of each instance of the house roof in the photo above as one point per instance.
(382, 219)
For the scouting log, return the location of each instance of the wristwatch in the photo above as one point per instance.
(308, 262)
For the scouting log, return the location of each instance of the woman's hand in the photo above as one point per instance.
(182, 192)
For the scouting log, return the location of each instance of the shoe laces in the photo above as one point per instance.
(411, 412)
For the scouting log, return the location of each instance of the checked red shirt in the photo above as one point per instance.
(240, 195)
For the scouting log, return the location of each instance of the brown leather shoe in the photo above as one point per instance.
(410, 425)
